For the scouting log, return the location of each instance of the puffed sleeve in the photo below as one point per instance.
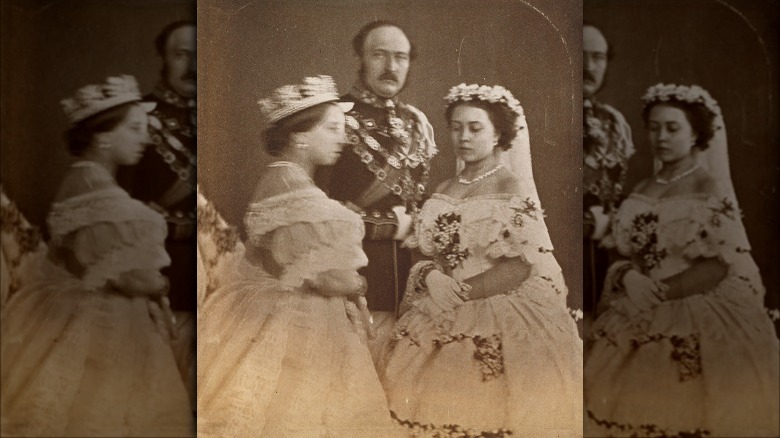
(105, 250)
(306, 237)
(716, 230)
(517, 230)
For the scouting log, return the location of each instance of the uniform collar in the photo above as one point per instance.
(166, 94)
(362, 94)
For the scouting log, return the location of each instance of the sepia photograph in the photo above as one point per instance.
(395, 219)
(97, 314)
(680, 137)
(385, 235)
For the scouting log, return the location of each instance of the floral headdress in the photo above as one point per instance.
(290, 99)
(485, 93)
(93, 99)
(693, 94)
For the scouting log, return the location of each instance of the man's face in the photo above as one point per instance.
(179, 61)
(385, 61)
(594, 60)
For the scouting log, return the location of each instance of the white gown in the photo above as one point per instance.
(510, 361)
(705, 365)
(78, 359)
(278, 359)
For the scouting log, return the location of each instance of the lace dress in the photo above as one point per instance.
(705, 365)
(507, 363)
(276, 358)
(77, 359)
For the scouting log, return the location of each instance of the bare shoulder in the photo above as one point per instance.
(704, 183)
(510, 183)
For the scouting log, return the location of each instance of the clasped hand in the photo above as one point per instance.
(446, 292)
(644, 292)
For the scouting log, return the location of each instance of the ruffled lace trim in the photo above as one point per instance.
(307, 234)
(661, 231)
(111, 205)
(113, 264)
(506, 225)
(318, 260)
(309, 205)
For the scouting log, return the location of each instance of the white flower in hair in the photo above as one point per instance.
(693, 94)
(485, 93)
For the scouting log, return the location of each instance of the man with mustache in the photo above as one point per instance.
(607, 147)
(166, 176)
(383, 175)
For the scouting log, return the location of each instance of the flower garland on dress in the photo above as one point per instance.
(693, 94)
(644, 239)
(486, 93)
(446, 238)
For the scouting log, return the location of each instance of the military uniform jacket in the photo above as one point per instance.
(386, 163)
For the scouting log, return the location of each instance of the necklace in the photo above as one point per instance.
(292, 165)
(480, 177)
(677, 177)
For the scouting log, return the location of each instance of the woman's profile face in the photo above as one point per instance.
(670, 133)
(326, 138)
(129, 138)
(473, 135)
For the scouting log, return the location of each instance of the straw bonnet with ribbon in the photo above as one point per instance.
(94, 99)
(290, 99)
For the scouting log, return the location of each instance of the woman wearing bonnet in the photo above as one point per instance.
(282, 345)
(683, 345)
(86, 350)
(485, 345)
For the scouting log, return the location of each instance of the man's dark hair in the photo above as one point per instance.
(610, 49)
(162, 38)
(360, 38)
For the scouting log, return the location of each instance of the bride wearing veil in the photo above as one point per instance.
(485, 345)
(682, 345)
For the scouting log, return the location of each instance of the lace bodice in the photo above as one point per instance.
(306, 233)
(106, 233)
(666, 235)
(470, 235)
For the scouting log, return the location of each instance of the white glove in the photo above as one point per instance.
(600, 222)
(404, 222)
(644, 292)
(444, 290)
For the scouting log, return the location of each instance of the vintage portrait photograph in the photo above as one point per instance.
(98, 261)
(680, 137)
(386, 235)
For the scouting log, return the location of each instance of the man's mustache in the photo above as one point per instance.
(388, 76)
(588, 76)
(190, 75)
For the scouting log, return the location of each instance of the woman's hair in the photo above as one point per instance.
(79, 136)
(698, 115)
(277, 137)
(500, 115)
